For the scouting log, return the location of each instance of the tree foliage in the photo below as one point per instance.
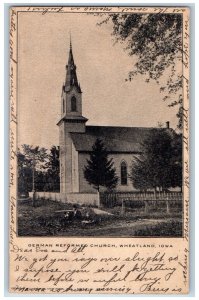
(37, 162)
(155, 42)
(160, 164)
(53, 171)
(100, 170)
(24, 174)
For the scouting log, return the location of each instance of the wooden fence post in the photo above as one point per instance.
(168, 208)
(98, 198)
(33, 198)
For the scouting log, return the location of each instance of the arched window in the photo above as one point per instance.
(123, 171)
(73, 104)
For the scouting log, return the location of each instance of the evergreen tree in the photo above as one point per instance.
(100, 170)
(160, 164)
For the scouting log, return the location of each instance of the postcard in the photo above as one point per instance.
(99, 150)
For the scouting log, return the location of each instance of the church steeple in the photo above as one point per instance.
(71, 96)
(71, 75)
(71, 121)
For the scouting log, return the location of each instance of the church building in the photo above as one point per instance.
(76, 140)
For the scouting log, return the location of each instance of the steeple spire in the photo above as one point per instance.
(71, 76)
(70, 42)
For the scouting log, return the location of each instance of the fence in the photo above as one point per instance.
(132, 199)
(138, 199)
(80, 198)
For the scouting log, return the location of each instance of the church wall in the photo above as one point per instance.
(68, 166)
(75, 171)
(62, 158)
(85, 187)
(75, 127)
(69, 179)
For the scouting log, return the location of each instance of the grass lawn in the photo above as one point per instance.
(43, 220)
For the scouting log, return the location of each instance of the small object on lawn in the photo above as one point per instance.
(68, 217)
(87, 222)
(77, 213)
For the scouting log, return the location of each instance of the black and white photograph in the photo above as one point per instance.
(100, 124)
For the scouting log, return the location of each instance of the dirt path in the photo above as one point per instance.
(129, 225)
(122, 228)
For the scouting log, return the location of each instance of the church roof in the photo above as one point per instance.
(72, 118)
(115, 139)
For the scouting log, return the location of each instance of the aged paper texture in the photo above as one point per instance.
(99, 150)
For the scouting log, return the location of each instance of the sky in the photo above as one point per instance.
(102, 66)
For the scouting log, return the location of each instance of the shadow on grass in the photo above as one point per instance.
(42, 220)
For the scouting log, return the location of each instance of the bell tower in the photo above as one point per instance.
(71, 97)
(71, 121)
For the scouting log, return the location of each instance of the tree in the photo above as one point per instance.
(52, 174)
(99, 170)
(160, 164)
(43, 165)
(155, 42)
(176, 161)
(24, 174)
(31, 161)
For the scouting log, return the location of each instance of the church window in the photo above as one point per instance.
(123, 171)
(73, 104)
